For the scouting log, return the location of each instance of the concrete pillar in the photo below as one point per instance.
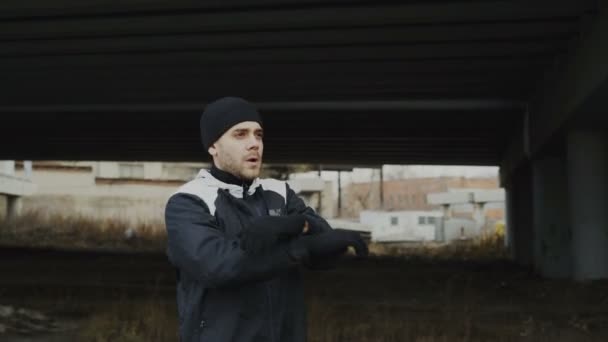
(521, 235)
(13, 207)
(553, 242)
(479, 216)
(509, 217)
(440, 229)
(587, 159)
(447, 211)
(27, 169)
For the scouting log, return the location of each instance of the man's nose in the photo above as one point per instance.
(253, 142)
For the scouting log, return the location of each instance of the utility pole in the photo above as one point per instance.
(339, 193)
(381, 188)
(320, 192)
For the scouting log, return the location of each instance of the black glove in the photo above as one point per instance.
(315, 227)
(266, 231)
(327, 245)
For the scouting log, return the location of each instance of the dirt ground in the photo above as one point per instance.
(379, 299)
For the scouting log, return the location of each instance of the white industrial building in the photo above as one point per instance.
(12, 189)
(401, 226)
(434, 226)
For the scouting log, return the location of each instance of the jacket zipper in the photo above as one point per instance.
(245, 190)
(272, 337)
(202, 323)
(267, 286)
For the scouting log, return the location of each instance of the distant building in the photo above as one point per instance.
(12, 190)
(411, 194)
(402, 226)
(135, 192)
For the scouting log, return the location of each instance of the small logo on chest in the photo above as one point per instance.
(274, 212)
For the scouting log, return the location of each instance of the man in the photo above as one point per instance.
(238, 241)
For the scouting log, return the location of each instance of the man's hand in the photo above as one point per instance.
(265, 231)
(327, 245)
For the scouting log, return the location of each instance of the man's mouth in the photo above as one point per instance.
(253, 159)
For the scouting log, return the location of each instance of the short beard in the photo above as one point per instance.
(250, 177)
(231, 166)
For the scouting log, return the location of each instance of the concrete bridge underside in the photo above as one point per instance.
(518, 84)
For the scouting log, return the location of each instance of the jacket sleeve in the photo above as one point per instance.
(295, 205)
(197, 247)
(317, 224)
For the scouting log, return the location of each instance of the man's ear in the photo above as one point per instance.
(212, 150)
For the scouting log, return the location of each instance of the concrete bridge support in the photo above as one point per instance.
(479, 215)
(564, 135)
(520, 214)
(588, 188)
(557, 209)
(13, 207)
(509, 218)
(13, 188)
(553, 242)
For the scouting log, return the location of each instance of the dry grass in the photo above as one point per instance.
(39, 229)
(426, 293)
(340, 309)
(53, 230)
(147, 320)
(154, 321)
(488, 247)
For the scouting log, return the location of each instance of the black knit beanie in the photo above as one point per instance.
(224, 113)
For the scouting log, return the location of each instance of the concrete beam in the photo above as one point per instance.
(574, 87)
(349, 225)
(71, 22)
(475, 104)
(466, 197)
(15, 186)
(306, 185)
(486, 196)
(573, 82)
(449, 198)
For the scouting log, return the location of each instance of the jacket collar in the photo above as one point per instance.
(236, 190)
(227, 177)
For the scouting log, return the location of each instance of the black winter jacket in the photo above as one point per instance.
(224, 294)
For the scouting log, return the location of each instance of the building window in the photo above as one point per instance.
(421, 220)
(430, 220)
(179, 172)
(394, 220)
(131, 170)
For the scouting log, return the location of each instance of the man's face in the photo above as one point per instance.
(239, 151)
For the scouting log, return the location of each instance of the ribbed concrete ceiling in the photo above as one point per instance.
(357, 82)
